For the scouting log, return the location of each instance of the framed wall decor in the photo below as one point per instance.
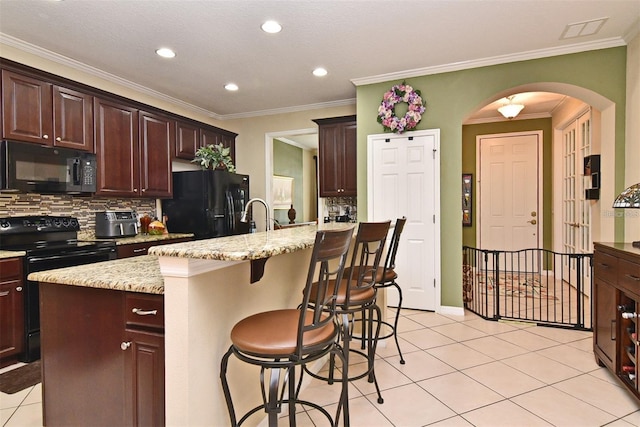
(467, 181)
(282, 192)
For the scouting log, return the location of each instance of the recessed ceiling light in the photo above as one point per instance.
(319, 72)
(271, 27)
(231, 86)
(165, 52)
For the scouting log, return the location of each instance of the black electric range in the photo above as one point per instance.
(49, 242)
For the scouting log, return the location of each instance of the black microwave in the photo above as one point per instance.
(33, 168)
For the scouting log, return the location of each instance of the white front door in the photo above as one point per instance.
(509, 191)
(404, 180)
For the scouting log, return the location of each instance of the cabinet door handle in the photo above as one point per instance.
(4, 294)
(603, 265)
(136, 251)
(125, 345)
(59, 139)
(141, 312)
(45, 136)
(613, 329)
(19, 289)
(632, 277)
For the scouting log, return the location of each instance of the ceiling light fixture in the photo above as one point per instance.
(271, 27)
(165, 52)
(320, 72)
(510, 110)
(231, 87)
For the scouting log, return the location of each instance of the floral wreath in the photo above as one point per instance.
(386, 112)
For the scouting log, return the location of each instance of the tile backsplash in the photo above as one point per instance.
(335, 206)
(83, 208)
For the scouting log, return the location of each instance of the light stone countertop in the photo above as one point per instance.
(11, 254)
(246, 247)
(135, 274)
(90, 235)
(142, 273)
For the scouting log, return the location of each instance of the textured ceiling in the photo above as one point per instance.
(357, 41)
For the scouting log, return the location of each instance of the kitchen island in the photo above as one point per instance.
(207, 287)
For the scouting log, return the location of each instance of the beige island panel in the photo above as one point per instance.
(207, 288)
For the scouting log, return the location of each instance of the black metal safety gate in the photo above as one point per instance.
(531, 285)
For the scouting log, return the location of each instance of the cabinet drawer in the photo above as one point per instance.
(629, 276)
(10, 269)
(605, 267)
(144, 311)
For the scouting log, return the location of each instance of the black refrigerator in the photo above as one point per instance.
(207, 203)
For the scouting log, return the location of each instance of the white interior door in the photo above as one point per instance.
(576, 215)
(509, 191)
(404, 180)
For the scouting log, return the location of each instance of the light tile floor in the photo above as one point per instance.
(459, 371)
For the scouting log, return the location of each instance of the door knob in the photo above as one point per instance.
(533, 222)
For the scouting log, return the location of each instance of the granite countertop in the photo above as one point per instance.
(11, 254)
(249, 246)
(139, 238)
(142, 273)
(135, 274)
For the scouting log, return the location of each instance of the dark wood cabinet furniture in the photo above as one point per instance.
(157, 142)
(132, 164)
(27, 109)
(212, 137)
(40, 112)
(12, 309)
(134, 142)
(337, 156)
(103, 361)
(190, 137)
(117, 152)
(616, 307)
(137, 249)
(187, 140)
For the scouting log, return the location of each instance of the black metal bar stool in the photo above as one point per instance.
(280, 340)
(356, 294)
(386, 277)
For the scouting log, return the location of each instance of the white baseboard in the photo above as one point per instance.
(451, 311)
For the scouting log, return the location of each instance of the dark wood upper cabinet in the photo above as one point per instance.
(187, 140)
(157, 142)
(72, 119)
(337, 156)
(117, 152)
(212, 137)
(27, 109)
(43, 113)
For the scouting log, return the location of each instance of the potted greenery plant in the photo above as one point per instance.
(214, 157)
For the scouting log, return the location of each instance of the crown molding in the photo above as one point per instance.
(87, 69)
(79, 66)
(503, 59)
(294, 109)
(494, 60)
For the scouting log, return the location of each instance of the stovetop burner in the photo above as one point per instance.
(42, 234)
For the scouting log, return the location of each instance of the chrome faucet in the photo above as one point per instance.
(243, 218)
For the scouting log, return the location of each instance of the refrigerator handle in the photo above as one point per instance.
(232, 214)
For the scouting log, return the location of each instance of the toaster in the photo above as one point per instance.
(116, 224)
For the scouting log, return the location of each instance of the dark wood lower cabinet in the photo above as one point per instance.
(616, 271)
(99, 368)
(138, 249)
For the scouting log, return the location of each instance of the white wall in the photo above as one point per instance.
(632, 136)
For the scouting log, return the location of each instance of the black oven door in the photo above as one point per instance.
(43, 262)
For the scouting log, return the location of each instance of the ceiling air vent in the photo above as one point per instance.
(581, 29)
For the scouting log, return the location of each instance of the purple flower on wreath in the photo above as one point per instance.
(386, 111)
